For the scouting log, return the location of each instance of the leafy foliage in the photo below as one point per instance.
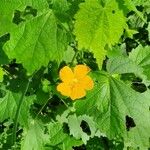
(39, 38)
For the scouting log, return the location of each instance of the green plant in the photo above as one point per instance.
(38, 38)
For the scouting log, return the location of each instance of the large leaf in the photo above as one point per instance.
(37, 42)
(97, 25)
(7, 10)
(110, 102)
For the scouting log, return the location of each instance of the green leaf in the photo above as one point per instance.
(131, 6)
(60, 6)
(117, 51)
(3, 57)
(121, 65)
(7, 9)
(33, 137)
(9, 105)
(143, 3)
(141, 56)
(58, 138)
(110, 102)
(69, 54)
(74, 124)
(137, 62)
(97, 25)
(37, 42)
(140, 2)
(103, 144)
(135, 22)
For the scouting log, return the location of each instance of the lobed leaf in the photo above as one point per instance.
(97, 25)
(110, 102)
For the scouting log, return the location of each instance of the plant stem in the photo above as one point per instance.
(41, 108)
(18, 112)
(74, 57)
(65, 103)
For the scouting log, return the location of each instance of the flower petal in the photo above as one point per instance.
(77, 92)
(64, 89)
(87, 83)
(81, 71)
(66, 74)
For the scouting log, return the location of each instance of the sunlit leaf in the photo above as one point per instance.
(101, 26)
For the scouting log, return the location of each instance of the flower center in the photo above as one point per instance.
(75, 80)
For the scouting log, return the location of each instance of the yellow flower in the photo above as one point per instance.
(75, 82)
